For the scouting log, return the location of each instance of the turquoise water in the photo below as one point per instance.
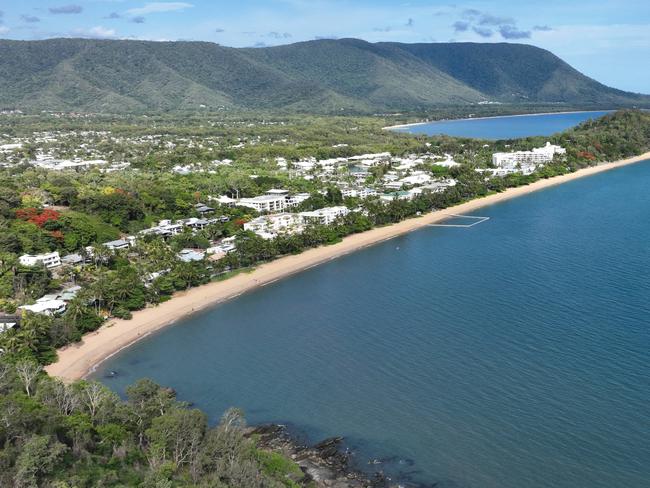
(511, 354)
(510, 127)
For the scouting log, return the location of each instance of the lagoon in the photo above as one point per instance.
(507, 127)
(512, 353)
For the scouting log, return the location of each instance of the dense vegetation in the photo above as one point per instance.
(82, 435)
(326, 76)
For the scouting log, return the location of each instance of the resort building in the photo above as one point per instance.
(358, 192)
(273, 201)
(324, 216)
(265, 203)
(525, 159)
(269, 226)
(49, 260)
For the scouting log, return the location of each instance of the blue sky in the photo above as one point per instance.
(608, 40)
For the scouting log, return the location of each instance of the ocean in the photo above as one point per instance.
(513, 353)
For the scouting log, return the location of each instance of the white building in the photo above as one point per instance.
(269, 226)
(324, 216)
(265, 203)
(119, 244)
(49, 260)
(223, 247)
(416, 179)
(527, 159)
(273, 201)
(46, 306)
(358, 192)
(224, 200)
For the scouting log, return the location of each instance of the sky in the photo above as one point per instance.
(608, 40)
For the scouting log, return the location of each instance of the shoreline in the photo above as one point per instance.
(415, 124)
(78, 360)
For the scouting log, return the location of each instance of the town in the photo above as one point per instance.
(319, 193)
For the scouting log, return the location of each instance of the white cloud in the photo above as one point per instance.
(157, 7)
(4, 29)
(97, 32)
(100, 31)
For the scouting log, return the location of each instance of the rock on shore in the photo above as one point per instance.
(325, 463)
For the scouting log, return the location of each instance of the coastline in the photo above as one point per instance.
(76, 361)
(415, 124)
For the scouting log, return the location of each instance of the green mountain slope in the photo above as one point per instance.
(515, 72)
(318, 76)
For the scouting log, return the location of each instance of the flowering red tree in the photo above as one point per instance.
(38, 218)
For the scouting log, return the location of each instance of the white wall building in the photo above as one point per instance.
(519, 159)
(324, 216)
(269, 226)
(49, 260)
(273, 201)
(46, 307)
(358, 192)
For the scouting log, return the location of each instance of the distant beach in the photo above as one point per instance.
(78, 360)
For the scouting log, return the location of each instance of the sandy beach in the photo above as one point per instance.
(78, 360)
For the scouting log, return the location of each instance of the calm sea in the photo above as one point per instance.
(515, 353)
(509, 127)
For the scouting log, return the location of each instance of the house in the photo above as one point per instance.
(8, 322)
(202, 208)
(49, 260)
(165, 228)
(149, 278)
(118, 244)
(194, 223)
(223, 247)
(46, 306)
(324, 216)
(72, 259)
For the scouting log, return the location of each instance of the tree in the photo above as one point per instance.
(176, 436)
(38, 458)
(27, 372)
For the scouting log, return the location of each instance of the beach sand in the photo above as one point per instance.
(78, 360)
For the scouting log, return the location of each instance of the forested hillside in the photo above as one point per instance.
(326, 76)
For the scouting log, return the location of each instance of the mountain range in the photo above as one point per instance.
(322, 76)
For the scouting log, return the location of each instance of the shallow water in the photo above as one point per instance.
(511, 354)
(509, 127)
